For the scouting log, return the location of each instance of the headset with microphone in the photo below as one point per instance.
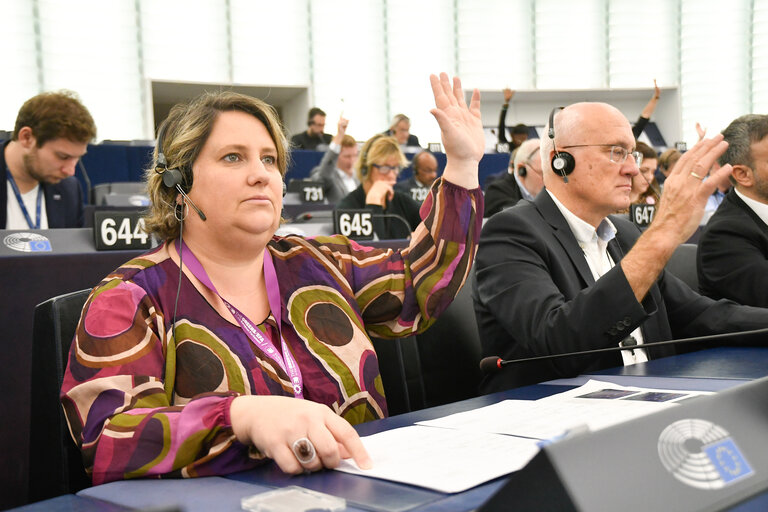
(177, 178)
(364, 167)
(562, 161)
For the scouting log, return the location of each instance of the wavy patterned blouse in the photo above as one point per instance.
(143, 404)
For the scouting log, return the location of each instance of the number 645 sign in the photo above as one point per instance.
(354, 224)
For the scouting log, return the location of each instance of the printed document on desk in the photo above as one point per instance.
(457, 452)
(446, 460)
(593, 406)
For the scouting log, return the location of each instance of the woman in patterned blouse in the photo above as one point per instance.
(227, 345)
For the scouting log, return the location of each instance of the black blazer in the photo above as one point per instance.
(63, 201)
(502, 193)
(413, 141)
(733, 254)
(535, 295)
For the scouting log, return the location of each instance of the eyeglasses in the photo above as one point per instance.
(618, 153)
(386, 169)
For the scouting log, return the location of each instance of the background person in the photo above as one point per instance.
(524, 180)
(314, 137)
(667, 161)
(256, 346)
(37, 188)
(733, 249)
(424, 166)
(645, 188)
(400, 129)
(560, 274)
(336, 170)
(518, 133)
(378, 166)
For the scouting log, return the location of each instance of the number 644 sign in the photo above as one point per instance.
(115, 230)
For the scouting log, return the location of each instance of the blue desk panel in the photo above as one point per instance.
(739, 363)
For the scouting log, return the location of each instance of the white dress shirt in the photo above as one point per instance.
(594, 243)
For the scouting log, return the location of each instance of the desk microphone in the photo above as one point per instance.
(87, 180)
(493, 364)
(393, 216)
(307, 216)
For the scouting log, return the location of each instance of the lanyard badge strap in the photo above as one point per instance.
(286, 361)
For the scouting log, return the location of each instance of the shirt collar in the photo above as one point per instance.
(523, 190)
(760, 209)
(583, 230)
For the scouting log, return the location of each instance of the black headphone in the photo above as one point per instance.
(522, 171)
(562, 161)
(364, 155)
(171, 177)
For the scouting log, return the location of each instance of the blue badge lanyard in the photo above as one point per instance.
(287, 361)
(36, 224)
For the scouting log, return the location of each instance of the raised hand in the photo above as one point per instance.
(701, 131)
(461, 130)
(341, 129)
(685, 190)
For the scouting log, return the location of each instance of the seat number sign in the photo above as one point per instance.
(354, 224)
(641, 215)
(311, 192)
(116, 230)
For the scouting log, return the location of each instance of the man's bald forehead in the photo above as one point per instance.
(584, 119)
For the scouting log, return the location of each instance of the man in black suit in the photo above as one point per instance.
(424, 174)
(314, 137)
(38, 189)
(733, 250)
(524, 180)
(559, 274)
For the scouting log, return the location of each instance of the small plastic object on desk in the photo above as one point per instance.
(292, 499)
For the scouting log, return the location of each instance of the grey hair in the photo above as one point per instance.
(740, 134)
(525, 152)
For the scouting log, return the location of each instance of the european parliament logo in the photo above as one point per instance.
(27, 242)
(701, 454)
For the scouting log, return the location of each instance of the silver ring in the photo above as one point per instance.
(304, 450)
(696, 176)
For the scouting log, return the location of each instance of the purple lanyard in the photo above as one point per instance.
(286, 362)
(36, 224)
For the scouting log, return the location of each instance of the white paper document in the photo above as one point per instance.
(446, 460)
(593, 406)
(457, 452)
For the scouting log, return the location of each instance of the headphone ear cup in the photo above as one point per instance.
(172, 177)
(563, 163)
(522, 171)
(285, 189)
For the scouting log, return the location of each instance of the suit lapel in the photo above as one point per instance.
(733, 198)
(564, 235)
(53, 206)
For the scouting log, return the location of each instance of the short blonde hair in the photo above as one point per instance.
(183, 135)
(377, 149)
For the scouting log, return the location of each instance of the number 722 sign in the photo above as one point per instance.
(116, 230)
